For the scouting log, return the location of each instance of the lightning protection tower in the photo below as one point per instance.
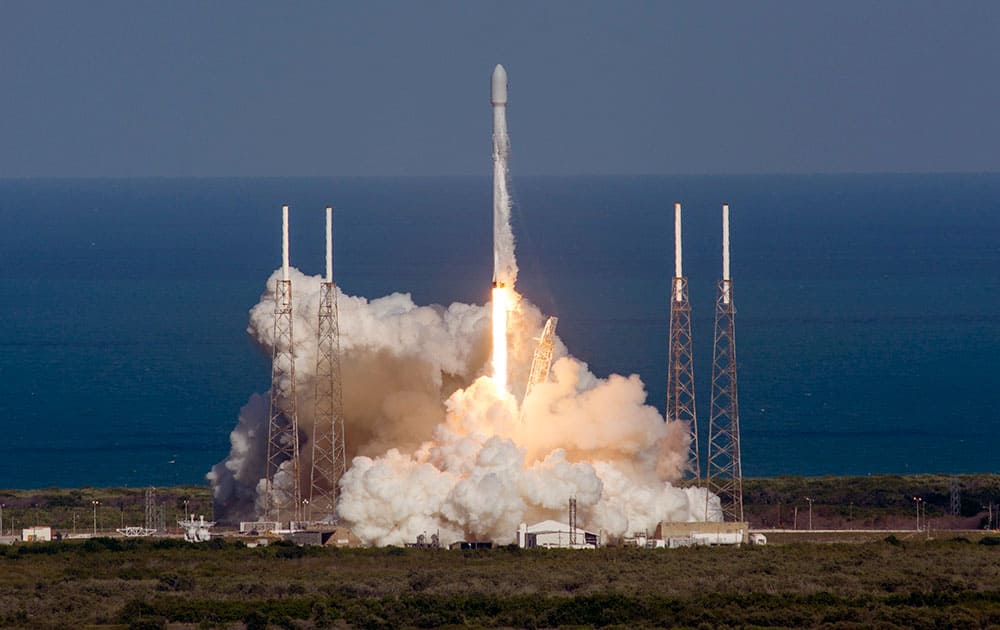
(680, 371)
(956, 496)
(725, 472)
(151, 511)
(329, 460)
(283, 423)
(572, 521)
(156, 517)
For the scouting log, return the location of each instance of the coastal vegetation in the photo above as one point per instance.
(901, 579)
(954, 582)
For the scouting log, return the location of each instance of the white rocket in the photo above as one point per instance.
(498, 97)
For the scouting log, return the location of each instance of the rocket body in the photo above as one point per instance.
(504, 269)
(504, 263)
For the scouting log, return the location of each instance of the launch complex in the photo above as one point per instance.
(304, 490)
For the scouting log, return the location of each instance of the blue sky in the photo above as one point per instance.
(190, 88)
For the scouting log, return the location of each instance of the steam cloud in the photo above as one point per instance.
(434, 448)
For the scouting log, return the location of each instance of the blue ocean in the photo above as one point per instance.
(867, 328)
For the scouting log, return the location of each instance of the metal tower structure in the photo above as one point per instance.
(329, 460)
(151, 508)
(156, 520)
(541, 363)
(956, 496)
(725, 472)
(680, 371)
(283, 423)
(572, 521)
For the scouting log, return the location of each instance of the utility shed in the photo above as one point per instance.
(255, 528)
(466, 545)
(305, 538)
(36, 534)
(341, 537)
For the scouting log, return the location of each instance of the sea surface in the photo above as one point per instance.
(868, 333)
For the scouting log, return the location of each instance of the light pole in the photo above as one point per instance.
(810, 512)
(74, 522)
(306, 512)
(917, 501)
(1, 518)
(95, 503)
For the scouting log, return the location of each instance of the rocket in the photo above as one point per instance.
(498, 97)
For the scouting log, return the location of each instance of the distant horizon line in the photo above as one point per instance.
(488, 175)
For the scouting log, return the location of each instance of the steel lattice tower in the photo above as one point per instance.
(572, 521)
(680, 371)
(725, 472)
(956, 496)
(151, 512)
(329, 460)
(283, 424)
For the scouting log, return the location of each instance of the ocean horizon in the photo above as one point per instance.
(866, 323)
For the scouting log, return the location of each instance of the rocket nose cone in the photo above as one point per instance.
(498, 95)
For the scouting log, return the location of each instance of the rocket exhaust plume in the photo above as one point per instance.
(436, 446)
(504, 263)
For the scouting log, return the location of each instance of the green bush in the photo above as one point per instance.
(147, 623)
(174, 582)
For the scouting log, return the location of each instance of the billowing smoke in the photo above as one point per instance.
(438, 444)
(433, 447)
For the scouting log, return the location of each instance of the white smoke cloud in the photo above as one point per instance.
(434, 449)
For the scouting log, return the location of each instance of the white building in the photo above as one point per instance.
(36, 534)
(698, 533)
(555, 535)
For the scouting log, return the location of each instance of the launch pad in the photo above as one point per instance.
(485, 423)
